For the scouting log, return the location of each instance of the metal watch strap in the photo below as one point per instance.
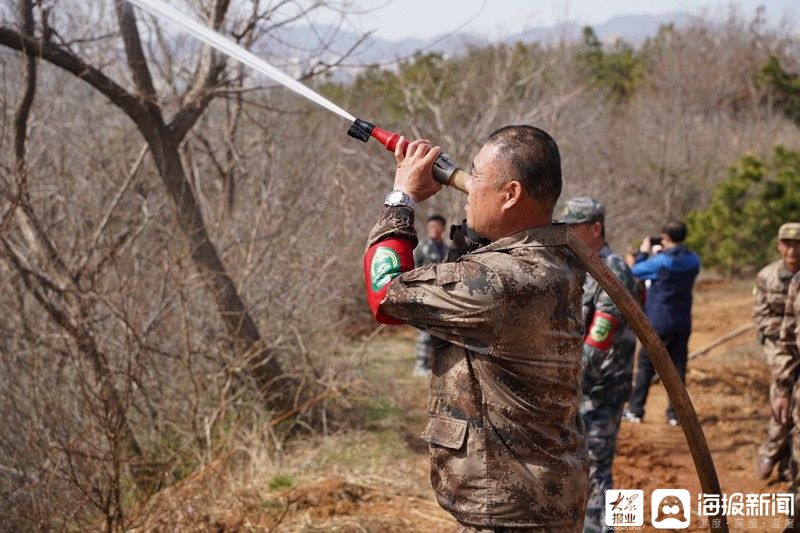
(398, 198)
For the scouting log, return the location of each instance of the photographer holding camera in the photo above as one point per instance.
(668, 306)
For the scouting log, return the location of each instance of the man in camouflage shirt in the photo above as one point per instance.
(607, 356)
(431, 250)
(772, 285)
(507, 443)
(786, 402)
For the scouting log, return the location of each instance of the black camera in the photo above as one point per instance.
(655, 240)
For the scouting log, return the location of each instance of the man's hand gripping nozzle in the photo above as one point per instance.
(444, 170)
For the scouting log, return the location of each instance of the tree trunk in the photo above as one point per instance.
(261, 363)
(163, 140)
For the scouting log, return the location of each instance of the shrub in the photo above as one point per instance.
(737, 231)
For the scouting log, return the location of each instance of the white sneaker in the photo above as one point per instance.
(632, 418)
(673, 422)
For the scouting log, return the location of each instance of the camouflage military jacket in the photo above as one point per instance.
(772, 284)
(428, 252)
(607, 370)
(787, 358)
(507, 442)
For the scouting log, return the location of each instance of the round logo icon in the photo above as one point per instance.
(670, 508)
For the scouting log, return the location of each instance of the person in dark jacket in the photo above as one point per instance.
(668, 306)
(430, 250)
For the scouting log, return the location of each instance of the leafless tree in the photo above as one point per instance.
(148, 111)
(112, 289)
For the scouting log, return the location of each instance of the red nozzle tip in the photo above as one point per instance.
(388, 138)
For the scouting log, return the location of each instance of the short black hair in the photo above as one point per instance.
(675, 229)
(534, 156)
(438, 218)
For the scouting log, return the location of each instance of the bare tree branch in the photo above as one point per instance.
(136, 59)
(24, 109)
(73, 64)
(98, 232)
(207, 76)
(196, 103)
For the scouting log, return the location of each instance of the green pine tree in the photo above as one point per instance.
(736, 233)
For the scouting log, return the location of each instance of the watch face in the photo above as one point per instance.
(395, 197)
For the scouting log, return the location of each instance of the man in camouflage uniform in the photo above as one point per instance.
(772, 284)
(507, 443)
(785, 373)
(429, 251)
(607, 356)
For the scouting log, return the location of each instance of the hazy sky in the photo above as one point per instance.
(395, 19)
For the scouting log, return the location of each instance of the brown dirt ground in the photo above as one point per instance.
(376, 478)
(729, 388)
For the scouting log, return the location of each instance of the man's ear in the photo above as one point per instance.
(513, 192)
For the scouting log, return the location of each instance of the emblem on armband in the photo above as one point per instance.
(384, 268)
(602, 330)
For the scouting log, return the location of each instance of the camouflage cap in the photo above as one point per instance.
(790, 231)
(583, 209)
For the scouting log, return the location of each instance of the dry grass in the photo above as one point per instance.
(370, 478)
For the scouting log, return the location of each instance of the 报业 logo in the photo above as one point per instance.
(624, 508)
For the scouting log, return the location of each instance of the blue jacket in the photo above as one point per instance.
(669, 298)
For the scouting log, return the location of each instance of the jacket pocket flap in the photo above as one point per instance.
(445, 431)
(447, 273)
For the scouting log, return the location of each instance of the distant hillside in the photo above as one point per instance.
(293, 41)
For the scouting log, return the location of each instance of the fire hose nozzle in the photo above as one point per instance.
(444, 170)
(361, 130)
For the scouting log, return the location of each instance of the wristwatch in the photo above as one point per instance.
(398, 198)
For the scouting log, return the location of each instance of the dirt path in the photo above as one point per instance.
(729, 389)
(376, 478)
